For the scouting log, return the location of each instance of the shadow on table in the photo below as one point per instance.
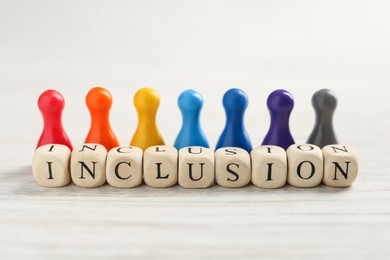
(20, 182)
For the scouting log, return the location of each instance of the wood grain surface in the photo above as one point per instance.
(258, 46)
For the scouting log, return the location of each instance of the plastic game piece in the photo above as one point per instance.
(324, 102)
(51, 104)
(191, 134)
(99, 102)
(280, 104)
(146, 101)
(235, 102)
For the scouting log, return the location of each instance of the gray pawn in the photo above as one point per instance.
(324, 102)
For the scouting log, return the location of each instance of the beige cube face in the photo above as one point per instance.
(269, 167)
(88, 165)
(124, 167)
(305, 165)
(196, 167)
(160, 166)
(341, 165)
(232, 167)
(50, 165)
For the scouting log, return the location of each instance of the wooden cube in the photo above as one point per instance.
(305, 165)
(196, 167)
(341, 165)
(269, 166)
(160, 166)
(50, 165)
(88, 165)
(124, 167)
(232, 167)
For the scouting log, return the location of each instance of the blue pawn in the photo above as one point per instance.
(191, 134)
(235, 102)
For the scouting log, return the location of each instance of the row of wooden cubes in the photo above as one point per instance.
(90, 165)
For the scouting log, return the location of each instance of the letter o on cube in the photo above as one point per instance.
(305, 165)
(232, 167)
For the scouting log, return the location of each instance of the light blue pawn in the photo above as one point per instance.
(235, 102)
(191, 134)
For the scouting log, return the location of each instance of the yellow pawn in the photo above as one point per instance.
(146, 101)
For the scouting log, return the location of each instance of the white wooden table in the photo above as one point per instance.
(257, 46)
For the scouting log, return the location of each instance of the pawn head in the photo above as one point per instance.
(324, 100)
(98, 99)
(51, 101)
(190, 100)
(280, 101)
(235, 100)
(146, 99)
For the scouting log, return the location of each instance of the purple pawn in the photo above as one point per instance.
(280, 104)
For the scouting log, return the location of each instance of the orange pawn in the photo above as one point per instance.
(99, 102)
(146, 101)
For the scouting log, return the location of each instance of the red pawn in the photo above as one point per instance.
(51, 103)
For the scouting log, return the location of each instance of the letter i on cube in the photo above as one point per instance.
(51, 165)
(269, 167)
(196, 167)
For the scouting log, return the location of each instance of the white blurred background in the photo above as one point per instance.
(211, 46)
